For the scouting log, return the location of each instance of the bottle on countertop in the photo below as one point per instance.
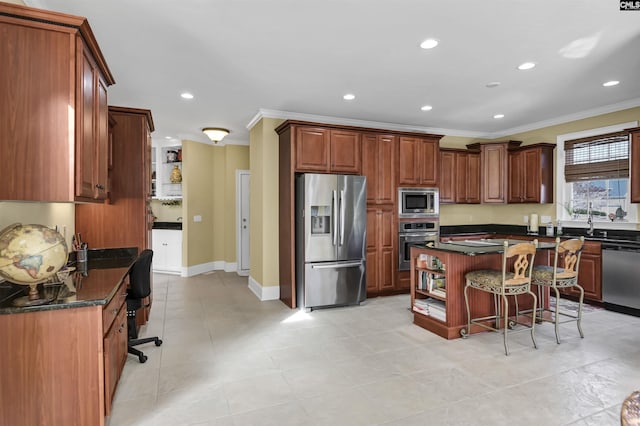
(550, 229)
(559, 228)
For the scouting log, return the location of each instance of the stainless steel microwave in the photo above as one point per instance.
(418, 202)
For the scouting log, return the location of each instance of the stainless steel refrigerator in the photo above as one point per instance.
(331, 229)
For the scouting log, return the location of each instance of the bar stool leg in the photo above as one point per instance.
(580, 312)
(506, 323)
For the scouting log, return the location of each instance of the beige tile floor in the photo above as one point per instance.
(229, 359)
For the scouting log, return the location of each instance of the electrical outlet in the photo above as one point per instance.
(545, 219)
(525, 218)
(197, 218)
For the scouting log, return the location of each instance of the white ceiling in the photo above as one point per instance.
(278, 57)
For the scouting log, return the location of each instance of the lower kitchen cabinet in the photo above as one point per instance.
(167, 251)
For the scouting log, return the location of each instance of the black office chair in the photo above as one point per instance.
(139, 288)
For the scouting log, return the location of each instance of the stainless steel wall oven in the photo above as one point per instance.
(414, 233)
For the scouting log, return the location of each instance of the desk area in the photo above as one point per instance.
(440, 281)
(72, 349)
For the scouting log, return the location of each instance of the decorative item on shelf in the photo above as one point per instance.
(30, 255)
(171, 203)
(172, 156)
(176, 175)
(216, 134)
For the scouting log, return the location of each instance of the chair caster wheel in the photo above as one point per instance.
(158, 342)
(142, 359)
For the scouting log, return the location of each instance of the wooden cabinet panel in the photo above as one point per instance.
(381, 248)
(635, 160)
(418, 161)
(379, 166)
(590, 276)
(312, 149)
(344, 151)
(448, 176)
(115, 356)
(494, 173)
(55, 76)
(473, 178)
(531, 174)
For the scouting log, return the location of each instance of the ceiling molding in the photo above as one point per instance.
(289, 115)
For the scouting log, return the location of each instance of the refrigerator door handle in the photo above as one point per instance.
(342, 213)
(337, 265)
(335, 217)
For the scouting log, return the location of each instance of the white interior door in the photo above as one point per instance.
(242, 185)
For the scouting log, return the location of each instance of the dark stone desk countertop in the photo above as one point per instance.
(478, 247)
(94, 285)
(174, 226)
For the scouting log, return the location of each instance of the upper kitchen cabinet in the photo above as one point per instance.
(635, 159)
(379, 158)
(459, 176)
(54, 123)
(531, 174)
(324, 150)
(493, 169)
(418, 161)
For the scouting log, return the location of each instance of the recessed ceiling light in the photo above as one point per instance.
(186, 95)
(426, 108)
(168, 137)
(429, 43)
(498, 116)
(349, 97)
(526, 66)
(493, 84)
(611, 83)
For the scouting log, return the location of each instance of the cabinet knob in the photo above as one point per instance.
(100, 186)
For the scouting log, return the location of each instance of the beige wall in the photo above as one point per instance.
(236, 158)
(264, 202)
(49, 214)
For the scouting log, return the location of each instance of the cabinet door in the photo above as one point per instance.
(387, 248)
(448, 176)
(517, 176)
(344, 151)
(590, 276)
(312, 149)
(634, 172)
(532, 180)
(473, 178)
(86, 144)
(379, 166)
(460, 170)
(115, 353)
(494, 173)
(101, 169)
(372, 251)
(408, 161)
(428, 162)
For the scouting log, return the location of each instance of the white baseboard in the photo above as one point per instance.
(264, 293)
(218, 265)
(230, 266)
(166, 271)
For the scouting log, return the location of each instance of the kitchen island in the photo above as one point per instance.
(61, 361)
(437, 284)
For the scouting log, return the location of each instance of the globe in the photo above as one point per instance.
(31, 254)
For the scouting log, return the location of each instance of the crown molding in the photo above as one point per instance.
(289, 115)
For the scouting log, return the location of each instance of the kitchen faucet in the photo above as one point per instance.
(590, 220)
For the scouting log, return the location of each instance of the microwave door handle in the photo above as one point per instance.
(335, 217)
(342, 217)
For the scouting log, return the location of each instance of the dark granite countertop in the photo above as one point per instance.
(478, 247)
(93, 283)
(177, 226)
(600, 235)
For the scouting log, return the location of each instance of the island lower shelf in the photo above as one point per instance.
(437, 290)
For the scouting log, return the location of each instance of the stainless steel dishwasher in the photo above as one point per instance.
(621, 276)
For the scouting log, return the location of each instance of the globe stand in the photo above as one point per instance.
(33, 299)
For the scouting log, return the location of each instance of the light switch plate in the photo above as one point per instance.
(197, 218)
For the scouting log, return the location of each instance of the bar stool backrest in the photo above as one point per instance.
(522, 265)
(568, 253)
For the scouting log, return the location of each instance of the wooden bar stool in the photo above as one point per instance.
(630, 412)
(563, 274)
(503, 283)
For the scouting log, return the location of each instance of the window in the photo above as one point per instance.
(593, 177)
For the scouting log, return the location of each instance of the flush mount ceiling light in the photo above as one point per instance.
(426, 108)
(186, 95)
(611, 83)
(492, 84)
(216, 134)
(526, 66)
(429, 43)
(497, 116)
(349, 97)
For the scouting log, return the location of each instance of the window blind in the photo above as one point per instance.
(597, 157)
